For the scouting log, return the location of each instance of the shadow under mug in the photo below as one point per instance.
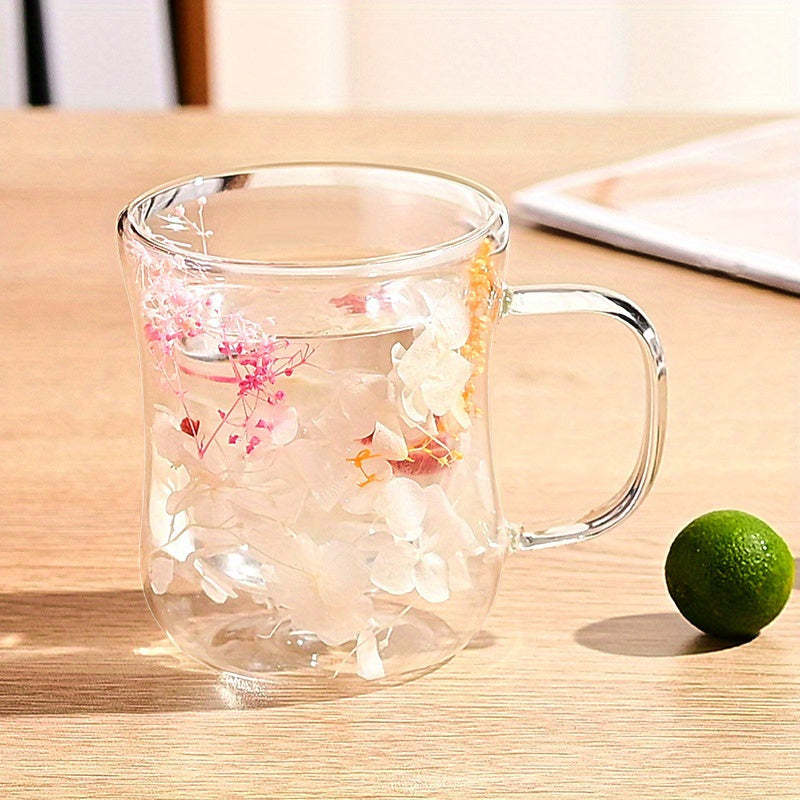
(319, 496)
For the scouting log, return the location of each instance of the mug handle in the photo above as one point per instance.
(524, 300)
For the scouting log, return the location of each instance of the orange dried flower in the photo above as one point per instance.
(482, 296)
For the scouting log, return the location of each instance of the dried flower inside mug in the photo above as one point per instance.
(319, 495)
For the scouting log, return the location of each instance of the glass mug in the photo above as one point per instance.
(319, 496)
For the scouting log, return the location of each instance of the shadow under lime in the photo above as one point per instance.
(649, 636)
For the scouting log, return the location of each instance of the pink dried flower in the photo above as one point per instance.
(229, 349)
(176, 303)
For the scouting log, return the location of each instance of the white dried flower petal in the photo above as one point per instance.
(213, 592)
(392, 568)
(313, 464)
(419, 360)
(390, 444)
(323, 588)
(431, 376)
(213, 582)
(343, 573)
(368, 660)
(430, 578)
(161, 572)
(448, 308)
(283, 425)
(450, 532)
(402, 504)
(444, 389)
(168, 440)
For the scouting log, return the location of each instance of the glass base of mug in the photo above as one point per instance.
(259, 645)
(288, 688)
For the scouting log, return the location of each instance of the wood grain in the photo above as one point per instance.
(585, 682)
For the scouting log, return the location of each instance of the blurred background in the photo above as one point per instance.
(437, 55)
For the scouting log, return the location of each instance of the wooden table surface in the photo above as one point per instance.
(584, 681)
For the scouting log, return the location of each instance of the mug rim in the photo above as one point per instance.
(496, 221)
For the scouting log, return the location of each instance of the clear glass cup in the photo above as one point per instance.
(319, 497)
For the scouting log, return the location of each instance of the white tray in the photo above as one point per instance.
(729, 204)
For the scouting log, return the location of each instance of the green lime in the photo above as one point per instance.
(729, 574)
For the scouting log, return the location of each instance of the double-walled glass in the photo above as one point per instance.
(319, 496)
